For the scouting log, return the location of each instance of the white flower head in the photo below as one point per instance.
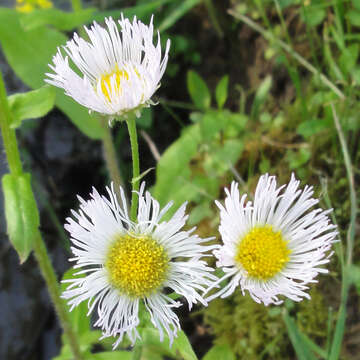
(120, 70)
(274, 245)
(127, 262)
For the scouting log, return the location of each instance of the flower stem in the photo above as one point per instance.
(110, 157)
(131, 123)
(346, 268)
(49, 275)
(15, 166)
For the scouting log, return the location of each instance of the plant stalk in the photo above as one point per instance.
(345, 286)
(131, 123)
(15, 166)
(111, 158)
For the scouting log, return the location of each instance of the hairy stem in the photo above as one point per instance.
(131, 123)
(110, 157)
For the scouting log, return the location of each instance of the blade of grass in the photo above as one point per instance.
(302, 349)
(177, 13)
(340, 323)
(270, 37)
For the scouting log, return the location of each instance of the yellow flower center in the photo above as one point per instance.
(105, 80)
(262, 252)
(137, 266)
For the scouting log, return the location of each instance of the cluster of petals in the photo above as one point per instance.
(130, 50)
(118, 71)
(309, 234)
(92, 229)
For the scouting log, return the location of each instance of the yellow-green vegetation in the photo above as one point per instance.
(255, 332)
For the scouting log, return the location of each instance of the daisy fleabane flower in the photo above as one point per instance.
(127, 262)
(120, 70)
(274, 245)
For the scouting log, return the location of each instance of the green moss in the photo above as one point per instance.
(255, 331)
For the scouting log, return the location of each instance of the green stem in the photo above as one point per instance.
(131, 123)
(213, 17)
(49, 275)
(270, 37)
(345, 286)
(13, 157)
(353, 198)
(110, 157)
(8, 134)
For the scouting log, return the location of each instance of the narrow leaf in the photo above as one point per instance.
(177, 13)
(198, 90)
(142, 11)
(218, 352)
(29, 53)
(221, 91)
(60, 20)
(302, 350)
(32, 104)
(260, 96)
(110, 355)
(21, 213)
(183, 346)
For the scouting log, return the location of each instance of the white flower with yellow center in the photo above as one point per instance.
(120, 70)
(127, 263)
(274, 245)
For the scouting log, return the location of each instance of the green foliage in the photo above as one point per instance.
(29, 53)
(254, 331)
(178, 10)
(21, 213)
(198, 90)
(60, 20)
(32, 104)
(218, 352)
(221, 91)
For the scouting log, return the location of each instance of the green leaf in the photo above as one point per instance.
(150, 340)
(110, 355)
(198, 90)
(22, 216)
(354, 275)
(177, 13)
(183, 347)
(296, 159)
(356, 4)
(173, 168)
(32, 104)
(219, 352)
(200, 212)
(302, 350)
(142, 11)
(313, 15)
(354, 17)
(348, 58)
(28, 53)
(221, 91)
(211, 123)
(260, 97)
(60, 20)
(312, 127)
